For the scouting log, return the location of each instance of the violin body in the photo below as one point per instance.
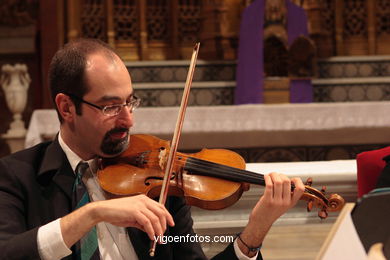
(140, 170)
(209, 179)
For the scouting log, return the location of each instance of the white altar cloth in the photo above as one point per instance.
(337, 171)
(252, 125)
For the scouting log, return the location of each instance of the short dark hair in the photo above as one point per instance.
(66, 72)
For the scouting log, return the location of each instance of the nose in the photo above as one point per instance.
(125, 118)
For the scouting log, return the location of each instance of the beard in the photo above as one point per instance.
(110, 146)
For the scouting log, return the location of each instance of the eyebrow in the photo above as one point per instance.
(113, 98)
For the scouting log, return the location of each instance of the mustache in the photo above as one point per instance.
(118, 130)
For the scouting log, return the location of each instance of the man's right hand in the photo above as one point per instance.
(136, 211)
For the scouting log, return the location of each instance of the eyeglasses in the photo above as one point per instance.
(112, 110)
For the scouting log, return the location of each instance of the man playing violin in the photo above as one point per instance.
(40, 215)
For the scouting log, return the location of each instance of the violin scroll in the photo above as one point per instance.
(336, 202)
(316, 198)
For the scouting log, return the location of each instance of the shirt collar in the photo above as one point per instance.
(72, 157)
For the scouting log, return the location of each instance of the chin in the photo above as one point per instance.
(115, 150)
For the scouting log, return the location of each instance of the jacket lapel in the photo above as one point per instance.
(55, 167)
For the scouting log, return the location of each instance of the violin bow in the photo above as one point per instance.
(176, 136)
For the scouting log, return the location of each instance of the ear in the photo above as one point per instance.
(65, 107)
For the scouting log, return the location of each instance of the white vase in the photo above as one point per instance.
(15, 82)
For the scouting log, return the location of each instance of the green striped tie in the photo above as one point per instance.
(87, 248)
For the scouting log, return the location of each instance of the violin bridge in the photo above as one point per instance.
(162, 158)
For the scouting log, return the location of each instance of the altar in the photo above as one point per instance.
(257, 129)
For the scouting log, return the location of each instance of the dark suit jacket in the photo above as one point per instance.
(384, 177)
(36, 188)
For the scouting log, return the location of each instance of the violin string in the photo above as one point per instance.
(203, 165)
(219, 170)
(207, 165)
(257, 177)
(155, 159)
(212, 169)
(227, 172)
(223, 171)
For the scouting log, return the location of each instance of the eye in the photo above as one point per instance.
(112, 110)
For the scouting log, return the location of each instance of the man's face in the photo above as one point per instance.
(109, 83)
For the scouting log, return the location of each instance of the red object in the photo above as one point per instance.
(369, 167)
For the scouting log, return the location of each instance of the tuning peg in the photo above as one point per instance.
(309, 181)
(309, 205)
(323, 214)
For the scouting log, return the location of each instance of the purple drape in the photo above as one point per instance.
(250, 67)
(301, 90)
(250, 72)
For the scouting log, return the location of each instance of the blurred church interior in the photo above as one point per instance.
(319, 94)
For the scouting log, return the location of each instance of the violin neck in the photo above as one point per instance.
(211, 169)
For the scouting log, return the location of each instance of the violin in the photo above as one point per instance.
(210, 179)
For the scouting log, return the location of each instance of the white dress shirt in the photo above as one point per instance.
(114, 242)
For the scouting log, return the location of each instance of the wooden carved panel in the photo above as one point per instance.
(158, 14)
(93, 23)
(321, 25)
(328, 16)
(382, 25)
(355, 27)
(382, 17)
(355, 14)
(126, 20)
(189, 22)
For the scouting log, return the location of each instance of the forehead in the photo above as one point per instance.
(106, 75)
